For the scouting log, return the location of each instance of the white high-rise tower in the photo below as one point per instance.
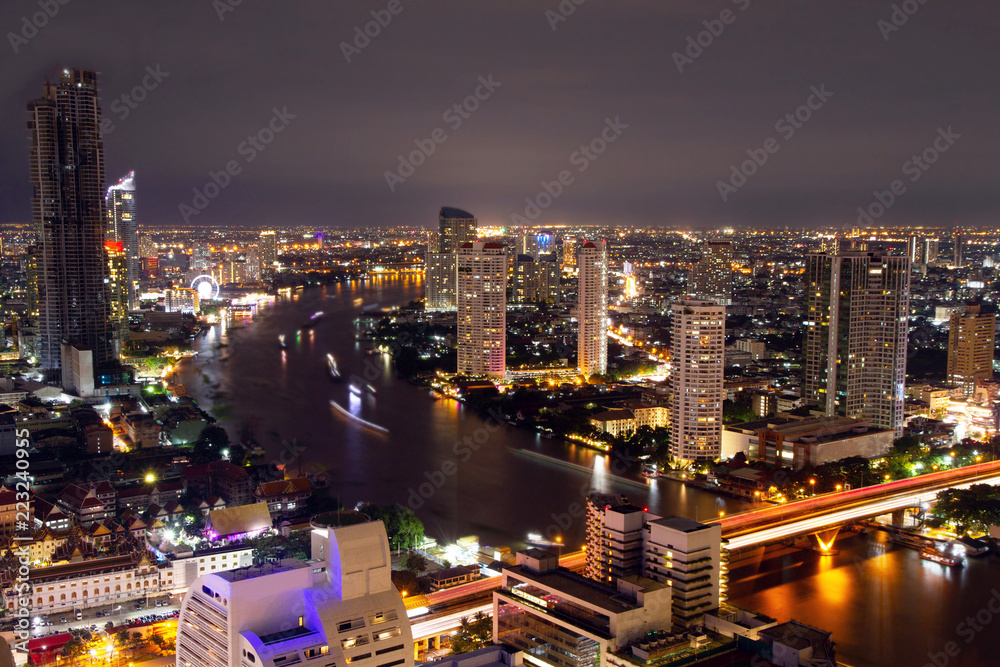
(592, 308)
(482, 308)
(697, 358)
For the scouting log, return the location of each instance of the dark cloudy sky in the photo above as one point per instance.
(607, 60)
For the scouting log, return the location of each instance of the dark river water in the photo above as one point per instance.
(463, 474)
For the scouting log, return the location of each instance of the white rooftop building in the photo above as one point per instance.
(337, 609)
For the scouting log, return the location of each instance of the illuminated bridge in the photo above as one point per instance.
(823, 515)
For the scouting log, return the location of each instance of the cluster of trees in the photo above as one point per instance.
(474, 633)
(123, 639)
(970, 510)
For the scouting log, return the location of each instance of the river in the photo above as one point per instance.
(884, 605)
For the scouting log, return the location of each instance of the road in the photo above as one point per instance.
(812, 514)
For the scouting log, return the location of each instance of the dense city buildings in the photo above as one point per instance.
(697, 342)
(857, 313)
(592, 307)
(971, 343)
(67, 175)
(482, 308)
(123, 228)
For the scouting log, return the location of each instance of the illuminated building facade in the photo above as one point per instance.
(455, 228)
(482, 309)
(67, 177)
(697, 358)
(119, 291)
(857, 317)
(592, 308)
(712, 278)
(971, 341)
(124, 228)
(267, 248)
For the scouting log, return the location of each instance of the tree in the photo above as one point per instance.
(159, 642)
(402, 526)
(72, 648)
(122, 637)
(473, 634)
(415, 563)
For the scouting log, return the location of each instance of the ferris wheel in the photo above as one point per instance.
(206, 286)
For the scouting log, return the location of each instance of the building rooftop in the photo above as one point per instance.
(262, 570)
(573, 585)
(680, 523)
(450, 212)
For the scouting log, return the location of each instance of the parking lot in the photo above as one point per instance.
(97, 618)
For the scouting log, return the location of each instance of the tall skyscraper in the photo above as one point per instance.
(857, 316)
(958, 243)
(482, 309)
(592, 308)
(712, 277)
(267, 248)
(455, 228)
(930, 251)
(915, 249)
(697, 361)
(971, 339)
(119, 291)
(569, 250)
(535, 280)
(67, 176)
(123, 227)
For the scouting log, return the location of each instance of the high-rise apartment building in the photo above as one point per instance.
(624, 542)
(930, 251)
(339, 608)
(67, 177)
(958, 249)
(712, 277)
(915, 249)
(455, 228)
(592, 308)
(857, 315)
(119, 291)
(569, 250)
(535, 280)
(482, 309)
(123, 227)
(697, 361)
(267, 248)
(971, 341)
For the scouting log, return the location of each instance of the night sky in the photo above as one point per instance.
(558, 89)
